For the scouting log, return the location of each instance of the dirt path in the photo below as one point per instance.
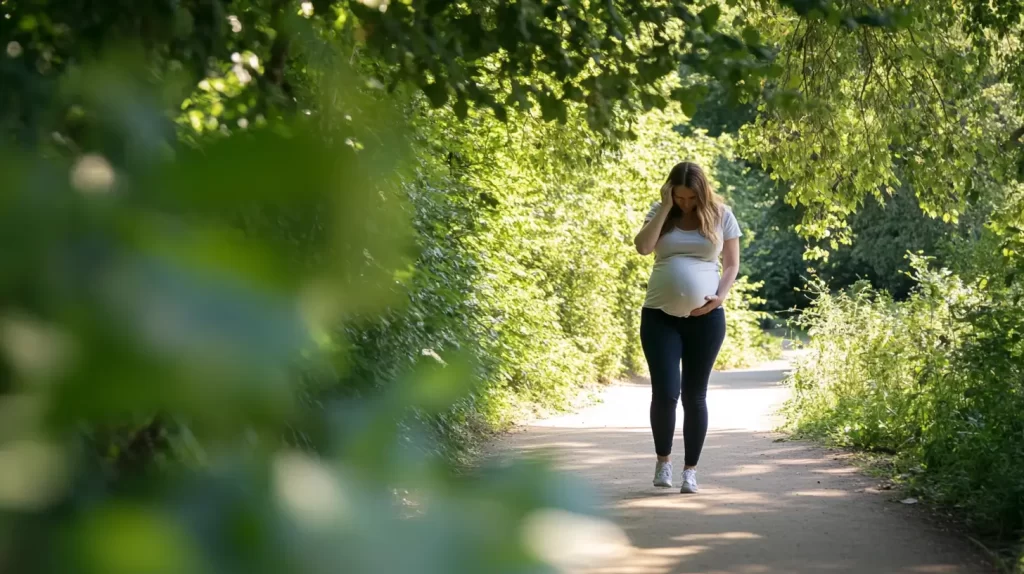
(766, 507)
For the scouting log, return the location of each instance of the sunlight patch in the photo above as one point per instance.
(569, 540)
(718, 536)
(821, 493)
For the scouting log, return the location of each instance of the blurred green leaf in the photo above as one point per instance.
(709, 17)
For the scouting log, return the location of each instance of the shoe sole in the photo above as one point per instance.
(687, 490)
(663, 485)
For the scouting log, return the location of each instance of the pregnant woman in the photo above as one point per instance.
(682, 320)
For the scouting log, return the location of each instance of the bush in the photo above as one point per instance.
(936, 380)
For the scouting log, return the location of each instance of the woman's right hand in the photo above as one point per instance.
(666, 194)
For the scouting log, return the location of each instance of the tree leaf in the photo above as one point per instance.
(709, 17)
(751, 36)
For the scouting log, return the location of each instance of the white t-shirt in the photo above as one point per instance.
(686, 266)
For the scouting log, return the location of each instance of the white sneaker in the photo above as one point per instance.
(663, 474)
(689, 482)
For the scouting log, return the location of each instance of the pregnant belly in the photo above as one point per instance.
(679, 285)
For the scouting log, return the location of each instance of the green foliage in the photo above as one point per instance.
(613, 56)
(884, 232)
(532, 228)
(881, 235)
(928, 110)
(935, 379)
(931, 105)
(553, 54)
(49, 44)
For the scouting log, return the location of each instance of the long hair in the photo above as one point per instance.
(709, 204)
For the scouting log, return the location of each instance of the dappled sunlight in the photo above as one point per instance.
(727, 501)
(745, 470)
(745, 569)
(821, 493)
(599, 461)
(668, 499)
(718, 536)
(678, 551)
(849, 470)
(557, 445)
(798, 461)
(650, 560)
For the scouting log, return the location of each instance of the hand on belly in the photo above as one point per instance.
(680, 284)
(692, 293)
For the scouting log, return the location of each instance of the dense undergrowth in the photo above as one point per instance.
(933, 381)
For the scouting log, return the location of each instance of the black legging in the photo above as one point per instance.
(695, 341)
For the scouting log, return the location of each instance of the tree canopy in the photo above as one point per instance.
(856, 99)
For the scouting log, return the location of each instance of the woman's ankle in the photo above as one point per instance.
(664, 459)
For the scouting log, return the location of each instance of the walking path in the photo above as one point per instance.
(766, 506)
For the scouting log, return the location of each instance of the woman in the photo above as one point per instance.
(682, 319)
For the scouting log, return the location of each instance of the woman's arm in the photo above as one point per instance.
(730, 268)
(647, 239)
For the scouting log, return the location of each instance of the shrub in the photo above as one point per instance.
(937, 380)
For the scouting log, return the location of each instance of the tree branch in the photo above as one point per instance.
(938, 93)
(278, 61)
(789, 53)
(887, 87)
(803, 64)
(871, 68)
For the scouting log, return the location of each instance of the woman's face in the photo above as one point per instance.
(684, 198)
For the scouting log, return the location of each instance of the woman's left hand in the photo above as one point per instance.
(713, 302)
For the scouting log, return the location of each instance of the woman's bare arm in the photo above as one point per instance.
(647, 239)
(730, 267)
